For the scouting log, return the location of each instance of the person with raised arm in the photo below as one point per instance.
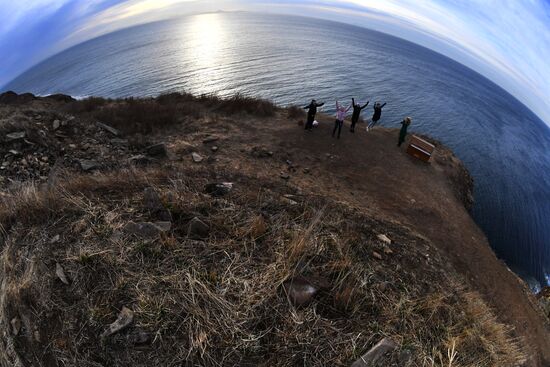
(357, 108)
(377, 114)
(312, 110)
(341, 112)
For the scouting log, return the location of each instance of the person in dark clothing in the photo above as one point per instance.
(357, 108)
(403, 132)
(377, 114)
(312, 110)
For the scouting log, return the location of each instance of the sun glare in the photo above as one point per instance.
(207, 40)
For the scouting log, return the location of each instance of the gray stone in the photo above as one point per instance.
(124, 319)
(15, 136)
(214, 148)
(147, 230)
(108, 128)
(152, 202)
(384, 238)
(157, 150)
(376, 353)
(300, 291)
(197, 229)
(15, 325)
(139, 337)
(210, 139)
(88, 165)
(218, 189)
(56, 124)
(140, 160)
(61, 273)
(197, 158)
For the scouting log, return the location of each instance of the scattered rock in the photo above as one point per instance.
(197, 229)
(88, 165)
(147, 230)
(19, 135)
(388, 251)
(108, 128)
(261, 152)
(210, 139)
(15, 325)
(218, 189)
(214, 148)
(376, 255)
(370, 358)
(140, 160)
(125, 318)
(152, 202)
(61, 274)
(197, 158)
(55, 239)
(290, 201)
(384, 238)
(285, 176)
(56, 124)
(157, 150)
(299, 291)
(139, 337)
(306, 171)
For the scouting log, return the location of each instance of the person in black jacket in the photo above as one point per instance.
(403, 132)
(312, 110)
(357, 108)
(377, 114)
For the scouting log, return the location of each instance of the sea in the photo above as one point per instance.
(291, 60)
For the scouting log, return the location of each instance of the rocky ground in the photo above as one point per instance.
(197, 231)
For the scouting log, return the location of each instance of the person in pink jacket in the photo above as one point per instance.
(341, 112)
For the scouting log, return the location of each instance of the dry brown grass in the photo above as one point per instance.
(219, 301)
(296, 113)
(146, 115)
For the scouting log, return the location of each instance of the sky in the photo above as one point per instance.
(507, 41)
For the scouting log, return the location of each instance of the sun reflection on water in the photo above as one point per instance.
(207, 41)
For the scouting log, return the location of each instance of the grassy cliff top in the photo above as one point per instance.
(217, 232)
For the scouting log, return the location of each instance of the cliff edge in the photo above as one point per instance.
(190, 230)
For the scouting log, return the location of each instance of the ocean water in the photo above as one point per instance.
(291, 60)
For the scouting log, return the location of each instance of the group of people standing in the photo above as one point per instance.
(341, 112)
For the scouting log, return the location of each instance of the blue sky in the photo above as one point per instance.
(508, 41)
